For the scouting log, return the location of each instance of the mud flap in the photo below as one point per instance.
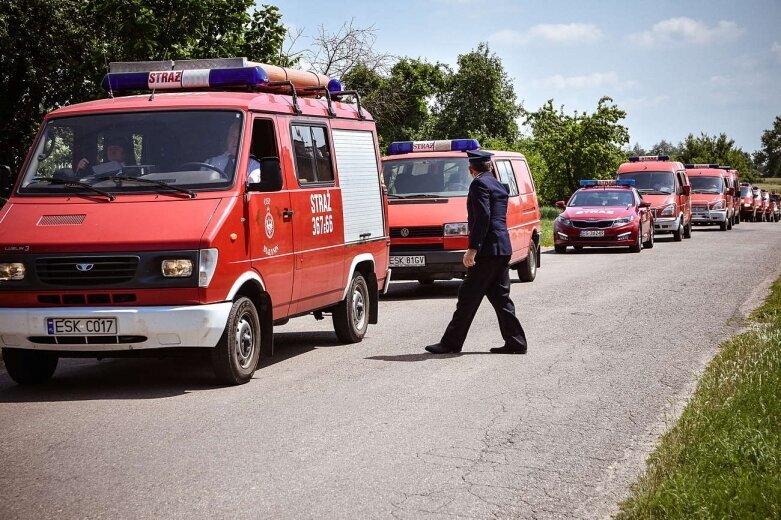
(374, 303)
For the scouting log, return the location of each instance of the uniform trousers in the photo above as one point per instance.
(490, 277)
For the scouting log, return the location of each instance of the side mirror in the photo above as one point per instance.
(687, 189)
(730, 191)
(645, 204)
(561, 204)
(6, 183)
(270, 176)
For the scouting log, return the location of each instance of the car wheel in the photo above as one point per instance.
(236, 355)
(678, 233)
(723, 226)
(650, 243)
(687, 230)
(737, 217)
(729, 223)
(560, 249)
(351, 315)
(29, 367)
(527, 270)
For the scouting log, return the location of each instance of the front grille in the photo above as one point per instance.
(85, 299)
(601, 224)
(85, 271)
(86, 340)
(700, 209)
(416, 232)
(414, 248)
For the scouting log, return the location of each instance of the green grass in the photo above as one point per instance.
(722, 459)
(769, 183)
(547, 215)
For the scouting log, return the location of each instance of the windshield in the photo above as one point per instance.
(652, 182)
(745, 191)
(446, 177)
(602, 198)
(136, 152)
(703, 184)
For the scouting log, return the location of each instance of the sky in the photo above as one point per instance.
(676, 67)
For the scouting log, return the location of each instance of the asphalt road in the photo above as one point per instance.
(382, 430)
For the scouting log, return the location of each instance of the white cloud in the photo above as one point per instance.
(644, 102)
(777, 50)
(571, 33)
(588, 81)
(678, 31)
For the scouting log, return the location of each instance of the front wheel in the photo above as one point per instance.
(236, 355)
(638, 245)
(729, 222)
(687, 230)
(351, 315)
(678, 233)
(29, 367)
(650, 243)
(560, 249)
(527, 270)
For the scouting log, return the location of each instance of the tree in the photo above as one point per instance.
(720, 149)
(477, 101)
(399, 101)
(664, 148)
(768, 158)
(336, 54)
(578, 146)
(61, 48)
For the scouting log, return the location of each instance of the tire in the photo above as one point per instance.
(678, 233)
(723, 226)
(527, 269)
(638, 246)
(351, 315)
(237, 354)
(560, 249)
(650, 243)
(729, 223)
(29, 367)
(737, 218)
(687, 230)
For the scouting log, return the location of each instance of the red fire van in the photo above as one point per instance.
(711, 195)
(665, 185)
(747, 208)
(734, 183)
(228, 197)
(427, 184)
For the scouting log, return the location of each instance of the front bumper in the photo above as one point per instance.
(440, 265)
(621, 236)
(666, 225)
(710, 217)
(163, 327)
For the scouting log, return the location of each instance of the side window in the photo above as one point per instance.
(507, 176)
(264, 144)
(524, 176)
(312, 153)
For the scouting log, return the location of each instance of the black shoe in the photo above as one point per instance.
(439, 348)
(508, 350)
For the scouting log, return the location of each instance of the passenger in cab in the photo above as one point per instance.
(116, 154)
(226, 161)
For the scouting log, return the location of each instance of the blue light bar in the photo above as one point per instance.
(185, 79)
(644, 158)
(585, 183)
(700, 166)
(447, 145)
(335, 86)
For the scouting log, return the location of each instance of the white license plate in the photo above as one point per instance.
(407, 261)
(592, 233)
(80, 326)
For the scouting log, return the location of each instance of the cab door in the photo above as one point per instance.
(269, 219)
(318, 226)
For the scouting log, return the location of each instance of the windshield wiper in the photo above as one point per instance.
(79, 184)
(162, 184)
(418, 196)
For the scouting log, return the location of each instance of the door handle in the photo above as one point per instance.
(287, 214)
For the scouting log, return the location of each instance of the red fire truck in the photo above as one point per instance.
(226, 198)
(711, 195)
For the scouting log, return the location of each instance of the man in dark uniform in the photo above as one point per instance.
(486, 261)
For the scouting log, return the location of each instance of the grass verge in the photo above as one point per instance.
(547, 216)
(722, 459)
(769, 183)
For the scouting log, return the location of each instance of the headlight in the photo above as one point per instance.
(12, 271)
(719, 204)
(747, 205)
(668, 210)
(206, 266)
(564, 220)
(458, 229)
(622, 221)
(179, 268)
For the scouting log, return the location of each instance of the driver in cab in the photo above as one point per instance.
(226, 161)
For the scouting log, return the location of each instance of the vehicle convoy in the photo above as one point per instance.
(427, 183)
(244, 196)
(665, 185)
(604, 214)
(711, 195)
(748, 209)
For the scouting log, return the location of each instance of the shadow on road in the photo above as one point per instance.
(407, 358)
(401, 291)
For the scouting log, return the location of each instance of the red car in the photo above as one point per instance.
(748, 210)
(604, 214)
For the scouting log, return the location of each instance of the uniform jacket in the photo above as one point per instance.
(487, 216)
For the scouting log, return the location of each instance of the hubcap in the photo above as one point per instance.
(245, 342)
(359, 309)
(533, 261)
